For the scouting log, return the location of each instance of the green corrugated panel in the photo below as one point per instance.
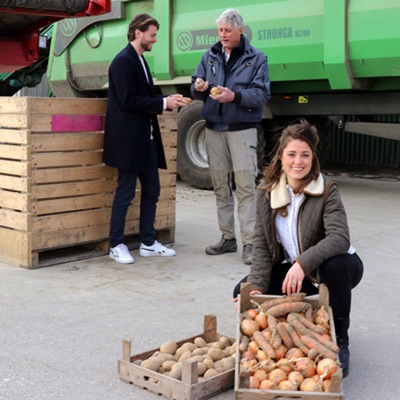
(369, 151)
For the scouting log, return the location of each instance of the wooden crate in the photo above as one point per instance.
(55, 192)
(241, 379)
(187, 389)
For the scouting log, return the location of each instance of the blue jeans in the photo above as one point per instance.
(125, 193)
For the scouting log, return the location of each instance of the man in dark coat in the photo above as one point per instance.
(132, 139)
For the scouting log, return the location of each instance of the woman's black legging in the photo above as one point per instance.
(340, 274)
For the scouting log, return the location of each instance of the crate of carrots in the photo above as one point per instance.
(286, 348)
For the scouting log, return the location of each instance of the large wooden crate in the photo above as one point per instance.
(241, 378)
(55, 192)
(189, 388)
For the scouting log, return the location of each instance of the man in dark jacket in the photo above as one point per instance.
(132, 139)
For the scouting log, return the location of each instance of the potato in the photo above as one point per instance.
(186, 355)
(209, 363)
(228, 363)
(176, 371)
(200, 342)
(216, 354)
(165, 356)
(201, 369)
(218, 366)
(200, 351)
(215, 91)
(152, 363)
(169, 347)
(225, 342)
(210, 373)
(167, 365)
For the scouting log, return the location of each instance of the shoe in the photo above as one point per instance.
(155, 250)
(223, 246)
(121, 254)
(342, 338)
(247, 253)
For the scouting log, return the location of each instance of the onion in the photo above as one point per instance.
(311, 384)
(326, 385)
(267, 334)
(254, 383)
(253, 346)
(248, 354)
(294, 352)
(261, 375)
(327, 367)
(248, 365)
(262, 320)
(306, 366)
(249, 326)
(267, 365)
(285, 365)
(261, 355)
(251, 313)
(296, 377)
(268, 385)
(277, 376)
(287, 385)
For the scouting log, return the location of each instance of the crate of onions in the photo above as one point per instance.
(286, 348)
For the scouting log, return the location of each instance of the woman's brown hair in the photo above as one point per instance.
(304, 131)
(141, 22)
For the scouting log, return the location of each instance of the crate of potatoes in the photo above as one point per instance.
(192, 369)
(286, 348)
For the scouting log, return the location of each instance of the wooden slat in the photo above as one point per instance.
(15, 247)
(14, 219)
(14, 152)
(14, 105)
(21, 168)
(67, 141)
(17, 136)
(63, 205)
(70, 189)
(71, 174)
(80, 106)
(64, 159)
(14, 183)
(14, 200)
(14, 121)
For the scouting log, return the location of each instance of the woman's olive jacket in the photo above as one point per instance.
(322, 229)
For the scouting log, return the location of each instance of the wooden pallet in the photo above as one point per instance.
(55, 192)
(187, 389)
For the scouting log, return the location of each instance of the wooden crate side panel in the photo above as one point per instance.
(15, 247)
(20, 168)
(73, 174)
(14, 219)
(14, 200)
(71, 189)
(14, 105)
(66, 141)
(14, 121)
(14, 152)
(66, 159)
(20, 184)
(15, 136)
(65, 205)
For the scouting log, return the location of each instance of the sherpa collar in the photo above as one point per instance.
(280, 196)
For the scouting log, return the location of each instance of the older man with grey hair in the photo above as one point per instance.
(232, 79)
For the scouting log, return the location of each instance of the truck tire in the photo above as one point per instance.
(192, 161)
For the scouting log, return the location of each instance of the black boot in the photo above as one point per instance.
(341, 327)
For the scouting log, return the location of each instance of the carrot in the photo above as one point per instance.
(244, 342)
(296, 339)
(281, 300)
(314, 344)
(264, 344)
(283, 309)
(296, 323)
(276, 340)
(284, 334)
(311, 325)
(324, 341)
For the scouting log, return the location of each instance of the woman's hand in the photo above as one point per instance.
(293, 280)
(200, 85)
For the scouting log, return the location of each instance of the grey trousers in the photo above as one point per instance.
(232, 156)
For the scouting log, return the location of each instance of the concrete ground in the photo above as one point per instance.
(61, 327)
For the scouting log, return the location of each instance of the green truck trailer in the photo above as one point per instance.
(335, 62)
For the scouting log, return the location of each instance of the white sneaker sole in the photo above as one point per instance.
(152, 254)
(118, 260)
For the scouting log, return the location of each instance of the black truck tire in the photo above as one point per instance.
(192, 161)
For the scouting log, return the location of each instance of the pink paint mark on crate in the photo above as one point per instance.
(76, 123)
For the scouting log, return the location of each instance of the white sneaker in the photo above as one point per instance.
(121, 254)
(155, 250)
